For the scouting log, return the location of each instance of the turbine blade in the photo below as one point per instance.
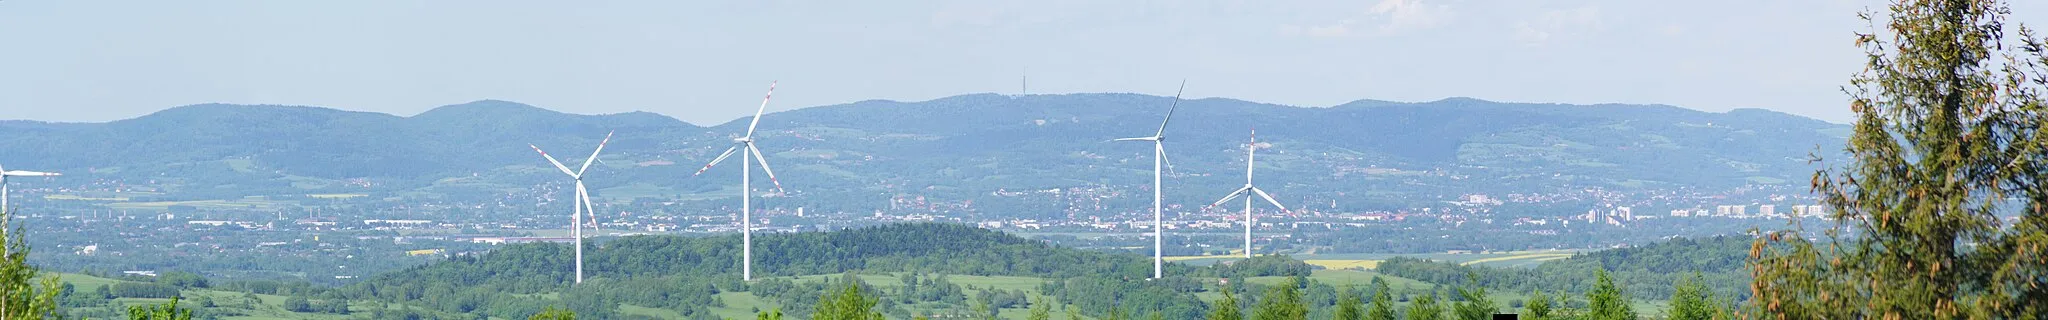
(1160, 148)
(1250, 154)
(714, 161)
(588, 208)
(1169, 110)
(593, 153)
(21, 173)
(1233, 195)
(764, 167)
(1269, 199)
(1136, 139)
(764, 108)
(551, 159)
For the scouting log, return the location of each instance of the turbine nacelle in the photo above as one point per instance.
(582, 201)
(1158, 139)
(744, 145)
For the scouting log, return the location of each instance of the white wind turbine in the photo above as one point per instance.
(1158, 140)
(17, 173)
(746, 184)
(583, 206)
(1247, 191)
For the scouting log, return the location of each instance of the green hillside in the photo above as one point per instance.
(1367, 153)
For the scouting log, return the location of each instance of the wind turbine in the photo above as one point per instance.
(746, 184)
(582, 199)
(1158, 140)
(1247, 191)
(18, 173)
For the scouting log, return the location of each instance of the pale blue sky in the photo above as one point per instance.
(707, 62)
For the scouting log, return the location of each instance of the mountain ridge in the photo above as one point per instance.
(745, 118)
(954, 147)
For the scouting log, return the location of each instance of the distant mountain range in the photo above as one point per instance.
(1365, 153)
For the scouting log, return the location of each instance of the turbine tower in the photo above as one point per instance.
(17, 173)
(1158, 140)
(746, 184)
(582, 199)
(1247, 191)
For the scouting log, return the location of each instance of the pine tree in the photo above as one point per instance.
(1948, 134)
(1282, 302)
(1382, 301)
(849, 303)
(769, 315)
(1073, 313)
(1041, 310)
(1349, 307)
(1691, 300)
(1476, 306)
(1226, 308)
(1538, 307)
(1606, 301)
(1425, 308)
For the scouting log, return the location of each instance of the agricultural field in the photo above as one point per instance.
(1367, 261)
(1344, 264)
(83, 198)
(336, 195)
(251, 203)
(1521, 260)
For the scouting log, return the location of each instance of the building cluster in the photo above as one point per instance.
(1612, 216)
(1763, 211)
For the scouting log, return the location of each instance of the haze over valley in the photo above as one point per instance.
(1521, 176)
(1339, 160)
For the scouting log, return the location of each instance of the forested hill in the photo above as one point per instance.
(674, 272)
(925, 247)
(1649, 270)
(954, 148)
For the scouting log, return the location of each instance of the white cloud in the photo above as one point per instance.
(1388, 17)
(1404, 15)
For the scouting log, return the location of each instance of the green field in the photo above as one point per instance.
(266, 307)
(1529, 259)
(740, 305)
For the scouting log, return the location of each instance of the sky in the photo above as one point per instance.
(708, 62)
